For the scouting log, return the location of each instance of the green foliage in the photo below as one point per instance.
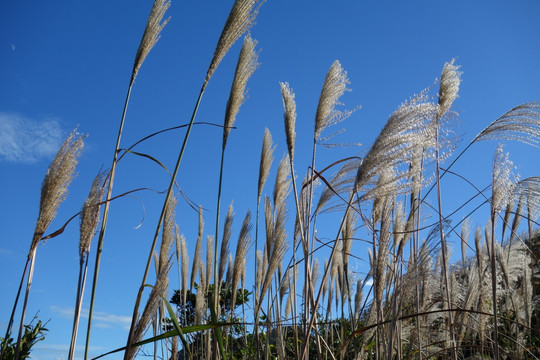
(32, 335)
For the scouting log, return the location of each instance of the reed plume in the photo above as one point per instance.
(151, 33)
(198, 245)
(158, 293)
(267, 157)
(88, 228)
(209, 263)
(521, 123)
(289, 116)
(242, 247)
(54, 190)
(448, 90)
(224, 252)
(247, 64)
(185, 266)
(240, 20)
(335, 85)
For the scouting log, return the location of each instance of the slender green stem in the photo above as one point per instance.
(217, 282)
(12, 316)
(32, 257)
(161, 218)
(494, 286)
(443, 245)
(104, 221)
(78, 305)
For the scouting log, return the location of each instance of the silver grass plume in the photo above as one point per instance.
(151, 34)
(158, 292)
(185, 266)
(448, 90)
(289, 116)
(478, 248)
(521, 123)
(277, 250)
(283, 182)
(506, 219)
(517, 216)
(269, 226)
(198, 245)
(224, 252)
(400, 237)
(209, 261)
(358, 297)
(267, 157)
(315, 273)
(348, 235)
(54, 188)
(285, 284)
(247, 64)
(260, 269)
(228, 278)
(324, 285)
(335, 85)
(529, 189)
(168, 232)
(502, 186)
(465, 233)
(408, 128)
(90, 213)
(240, 20)
(200, 298)
(242, 247)
(289, 305)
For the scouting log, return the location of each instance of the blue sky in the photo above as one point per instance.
(67, 63)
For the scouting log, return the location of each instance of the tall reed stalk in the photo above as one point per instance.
(53, 192)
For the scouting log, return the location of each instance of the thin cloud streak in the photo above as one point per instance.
(24, 140)
(101, 319)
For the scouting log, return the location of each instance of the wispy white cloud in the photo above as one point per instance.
(100, 319)
(5, 252)
(45, 351)
(26, 140)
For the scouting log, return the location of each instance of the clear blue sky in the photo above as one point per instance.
(68, 63)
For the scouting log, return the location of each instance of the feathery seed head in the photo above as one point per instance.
(210, 258)
(450, 80)
(185, 265)
(198, 246)
(224, 253)
(151, 34)
(240, 20)
(522, 123)
(335, 85)
(168, 232)
(90, 213)
(465, 233)
(242, 247)
(289, 115)
(282, 185)
(503, 186)
(200, 298)
(57, 179)
(408, 128)
(158, 292)
(247, 64)
(267, 157)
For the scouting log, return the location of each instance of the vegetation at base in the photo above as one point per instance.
(33, 333)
